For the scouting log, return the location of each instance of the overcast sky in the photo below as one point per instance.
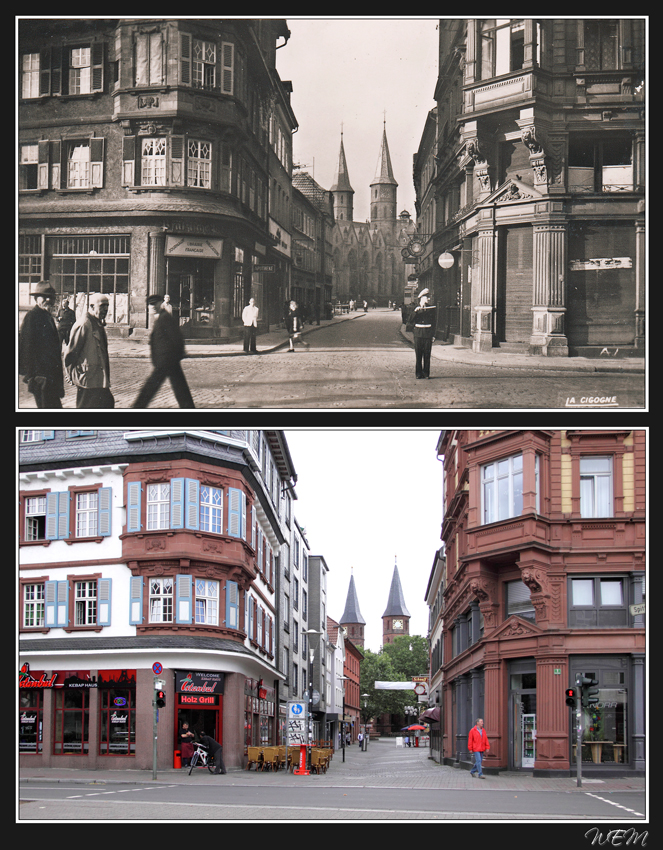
(350, 71)
(365, 499)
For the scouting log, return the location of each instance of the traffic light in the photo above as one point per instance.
(571, 697)
(589, 694)
(161, 699)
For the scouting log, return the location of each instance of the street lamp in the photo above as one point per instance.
(310, 691)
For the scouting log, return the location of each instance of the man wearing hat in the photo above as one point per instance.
(40, 357)
(167, 349)
(422, 323)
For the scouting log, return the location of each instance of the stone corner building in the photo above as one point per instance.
(530, 173)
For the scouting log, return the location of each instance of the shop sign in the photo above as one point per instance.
(280, 238)
(601, 263)
(187, 682)
(27, 680)
(188, 246)
(635, 609)
(195, 699)
(77, 680)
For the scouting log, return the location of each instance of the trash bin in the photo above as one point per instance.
(177, 759)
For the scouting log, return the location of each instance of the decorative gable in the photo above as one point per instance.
(513, 190)
(516, 627)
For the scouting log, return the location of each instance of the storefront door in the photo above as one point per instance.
(522, 716)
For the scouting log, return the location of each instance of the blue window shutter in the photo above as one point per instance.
(134, 490)
(48, 435)
(50, 596)
(57, 515)
(136, 600)
(105, 508)
(192, 503)
(253, 526)
(183, 601)
(177, 503)
(242, 496)
(234, 512)
(104, 602)
(62, 603)
(232, 605)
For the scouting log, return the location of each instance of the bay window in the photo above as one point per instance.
(502, 488)
(158, 506)
(596, 487)
(207, 602)
(161, 600)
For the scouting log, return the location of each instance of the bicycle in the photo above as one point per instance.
(201, 758)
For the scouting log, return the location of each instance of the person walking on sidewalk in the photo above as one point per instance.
(250, 321)
(294, 324)
(167, 349)
(477, 743)
(86, 356)
(40, 352)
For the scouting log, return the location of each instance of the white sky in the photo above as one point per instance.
(366, 498)
(350, 71)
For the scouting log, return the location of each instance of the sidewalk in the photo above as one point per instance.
(277, 338)
(382, 765)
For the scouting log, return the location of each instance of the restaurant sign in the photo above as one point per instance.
(189, 246)
(198, 683)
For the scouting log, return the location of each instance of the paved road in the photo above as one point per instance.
(386, 783)
(366, 363)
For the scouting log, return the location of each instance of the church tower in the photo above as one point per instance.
(342, 192)
(396, 618)
(352, 621)
(384, 187)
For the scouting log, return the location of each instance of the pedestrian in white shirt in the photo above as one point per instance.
(250, 320)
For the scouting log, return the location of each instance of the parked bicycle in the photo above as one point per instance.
(201, 758)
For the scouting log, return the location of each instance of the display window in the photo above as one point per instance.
(30, 721)
(71, 726)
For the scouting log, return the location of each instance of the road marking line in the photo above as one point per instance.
(612, 803)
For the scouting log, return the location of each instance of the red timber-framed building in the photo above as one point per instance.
(148, 554)
(545, 540)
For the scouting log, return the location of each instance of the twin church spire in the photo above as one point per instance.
(395, 620)
(383, 187)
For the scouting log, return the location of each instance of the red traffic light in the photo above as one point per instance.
(570, 692)
(161, 699)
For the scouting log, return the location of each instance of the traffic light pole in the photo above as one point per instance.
(154, 724)
(579, 733)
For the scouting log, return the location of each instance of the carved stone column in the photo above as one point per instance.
(484, 311)
(548, 332)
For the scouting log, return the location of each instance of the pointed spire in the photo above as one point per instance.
(352, 614)
(396, 603)
(342, 179)
(383, 173)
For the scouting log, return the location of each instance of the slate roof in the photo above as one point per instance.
(352, 614)
(396, 603)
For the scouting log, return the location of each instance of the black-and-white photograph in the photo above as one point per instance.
(429, 213)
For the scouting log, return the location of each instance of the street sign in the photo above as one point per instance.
(637, 609)
(157, 668)
(296, 724)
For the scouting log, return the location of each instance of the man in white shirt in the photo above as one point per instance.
(250, 320)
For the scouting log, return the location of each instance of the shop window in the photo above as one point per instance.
(605, 725)
(598, 602)
(71, 725)
(117, 727)
(596, 487)
(600, 165)
(30, 720)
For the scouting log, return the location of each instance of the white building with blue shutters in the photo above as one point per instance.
(145, 554)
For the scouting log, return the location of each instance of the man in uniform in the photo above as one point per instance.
(422, 322)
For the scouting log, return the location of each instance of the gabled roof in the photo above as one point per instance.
(396, 603)
(352, 614)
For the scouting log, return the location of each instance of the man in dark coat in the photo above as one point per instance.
(214, 749)
(167, 348)
(422, 322)
(40, 351)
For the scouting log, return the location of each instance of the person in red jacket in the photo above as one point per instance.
(477, 743)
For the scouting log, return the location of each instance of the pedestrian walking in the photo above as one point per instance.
(214, 749)
(166, 304)
(422, 322)
(40, 350)
(167, 350)
(250, 320)
(294, 324)
(477, 743)
(86, 356)
(360, 738)
(66, 320)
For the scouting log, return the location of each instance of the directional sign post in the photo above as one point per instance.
(297, 724)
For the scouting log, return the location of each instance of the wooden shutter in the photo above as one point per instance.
(192, 505)
(43, 166)
(236, 512)
(129, 165)
(184, 586)
(104, 602)
(227, 67)
(97, 69)
(105, 509)
(136, 600)
(50, 596)
(232, 605)
(134, 491)
(177, 503)
(45, 71)
(57, 515)
(177, 148)
(62, 603)
(185, 59)
(97, 162)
